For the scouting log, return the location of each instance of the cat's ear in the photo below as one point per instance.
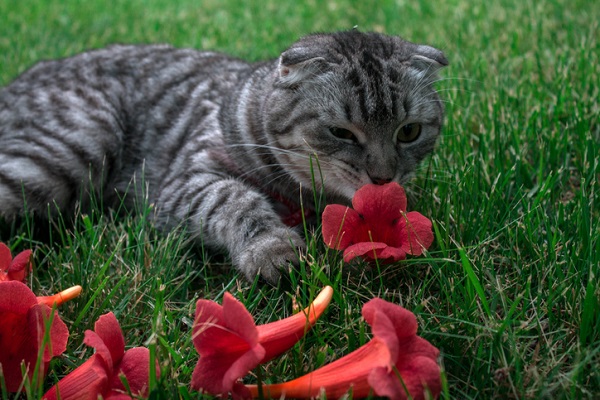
(298, 64)
(428, 60)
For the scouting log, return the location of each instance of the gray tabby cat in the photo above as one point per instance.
(219, 144)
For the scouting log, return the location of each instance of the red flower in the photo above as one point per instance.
(101, 374)
(378, 227)
(22, 330)
(14, 269)
(395, 363)
(230, 344)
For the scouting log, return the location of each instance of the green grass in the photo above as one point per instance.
(509, 292)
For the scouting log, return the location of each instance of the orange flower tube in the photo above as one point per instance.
(277, 337)
(61, 297)
(335, 379)
(396, 363)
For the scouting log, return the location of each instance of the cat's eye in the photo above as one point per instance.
(409, 133)
(343, 134)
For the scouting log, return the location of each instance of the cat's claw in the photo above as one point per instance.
(270, 255)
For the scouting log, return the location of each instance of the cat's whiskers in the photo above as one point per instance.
(276, 176)
(344, 172)
(287, 152)
(285, 167)
(267, 147)
(252, 171)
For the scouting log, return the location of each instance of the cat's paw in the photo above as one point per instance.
(270, 255)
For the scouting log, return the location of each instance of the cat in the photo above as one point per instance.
(231, 149)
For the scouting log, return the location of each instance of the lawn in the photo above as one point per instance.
(509, 291)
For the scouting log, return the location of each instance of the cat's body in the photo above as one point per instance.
(217, 143)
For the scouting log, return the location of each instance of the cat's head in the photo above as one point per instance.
(362, 104)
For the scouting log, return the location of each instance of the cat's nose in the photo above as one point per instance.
(380, 181)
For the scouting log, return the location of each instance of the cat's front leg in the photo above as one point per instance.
(226, 213)
(269, 253)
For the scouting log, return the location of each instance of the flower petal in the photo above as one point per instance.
(403, 321)
(388, 384)
(92, 339)
(118, 396)
(383, 329)
(16, 297)
(22, 332)
(366, 249)
(380, 202)
(135, 366)
(416, 346)
(390, 254)
(238, 319)
(240, 351)
(226, 338)
(419, 234)
(18, 345)
(20, 266)
(212, 334)
(5, 257)
(415, 359)
(38, 316)
(86, 382)
(242, 366)
(421, 374)
(342, 226)
(208, 314)
(416, 377)
(99, 376)
(240, 392)
(108, 329)
(217, 373)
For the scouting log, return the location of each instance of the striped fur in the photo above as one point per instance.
(219, 144)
